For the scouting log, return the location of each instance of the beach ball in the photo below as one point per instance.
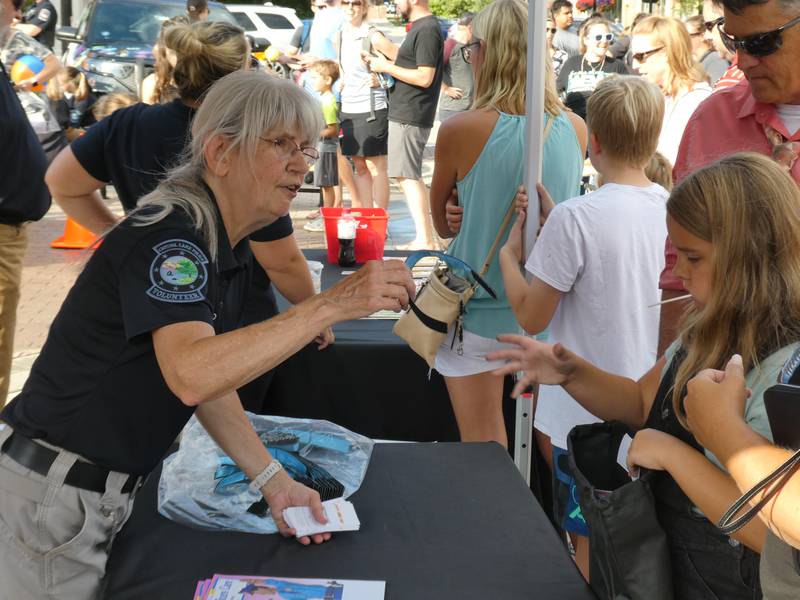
(26, 67)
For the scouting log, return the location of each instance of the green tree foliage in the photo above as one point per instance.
(453, 9)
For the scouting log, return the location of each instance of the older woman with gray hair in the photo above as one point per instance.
(147, 337)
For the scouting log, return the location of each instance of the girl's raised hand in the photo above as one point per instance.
(541, 363)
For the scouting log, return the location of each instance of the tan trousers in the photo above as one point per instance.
(55, 538)
(13, 240)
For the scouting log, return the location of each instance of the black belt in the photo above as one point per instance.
(82, 475)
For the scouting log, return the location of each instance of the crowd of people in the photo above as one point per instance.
(669, 163)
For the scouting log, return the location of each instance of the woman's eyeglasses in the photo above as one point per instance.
(608, 37)
(760, 44)
(285, 148)
(709, 25)
(640, 57)
(351, 3)
(467, 50)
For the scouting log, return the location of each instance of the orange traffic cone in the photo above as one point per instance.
(75, 237)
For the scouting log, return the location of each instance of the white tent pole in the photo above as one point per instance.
(537, 11)
(523, 438)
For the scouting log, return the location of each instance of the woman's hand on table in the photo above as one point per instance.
(325, 339)
(282, 492)
(541, 363)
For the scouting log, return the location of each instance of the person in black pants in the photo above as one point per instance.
(23, 198)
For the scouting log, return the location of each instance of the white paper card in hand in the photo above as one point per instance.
(341, 517)
(622, 455)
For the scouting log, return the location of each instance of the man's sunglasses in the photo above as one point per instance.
(760, 44)
(609, 37)
(550, 30)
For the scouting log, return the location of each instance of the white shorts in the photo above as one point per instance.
(473, 359)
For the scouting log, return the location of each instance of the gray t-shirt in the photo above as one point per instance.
(780, 579)
(458, 74)
(714, 65)
(566, 41)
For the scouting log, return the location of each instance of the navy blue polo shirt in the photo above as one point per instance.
(96, 388)
(45, 17)
(135, 146)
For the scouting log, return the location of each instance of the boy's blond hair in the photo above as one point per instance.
(625, 112)
(659, 170)
(326, 68)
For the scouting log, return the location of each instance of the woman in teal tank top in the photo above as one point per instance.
(481, 152)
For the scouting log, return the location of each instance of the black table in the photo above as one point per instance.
(438, 521)
(369, 381)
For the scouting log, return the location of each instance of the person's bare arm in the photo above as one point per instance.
(28, 29)
(75, 191)
(286, 266)
(444, 178)
(225, 421)
(708, 487)
(715, 406)
(609, 397)
(330, 131)
(422, 76)
(385, 46)
(51, 66)
(199, 366)
(533, 304)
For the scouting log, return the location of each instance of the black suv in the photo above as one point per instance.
(113, 43)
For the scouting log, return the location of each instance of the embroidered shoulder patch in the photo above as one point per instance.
(178, 272)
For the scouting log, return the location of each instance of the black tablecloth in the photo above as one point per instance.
(369, 381)
(438, 521)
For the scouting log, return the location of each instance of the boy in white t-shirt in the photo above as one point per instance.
(595, 269)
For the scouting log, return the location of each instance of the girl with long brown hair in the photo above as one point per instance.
(736, 227)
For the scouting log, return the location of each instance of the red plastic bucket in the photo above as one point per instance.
(370, 234)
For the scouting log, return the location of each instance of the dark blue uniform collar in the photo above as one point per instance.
(228, 259)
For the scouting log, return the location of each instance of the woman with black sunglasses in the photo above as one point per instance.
(581, 74)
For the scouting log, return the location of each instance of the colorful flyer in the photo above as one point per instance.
(238, 587)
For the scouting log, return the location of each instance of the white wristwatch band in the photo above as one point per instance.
(265, 475)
